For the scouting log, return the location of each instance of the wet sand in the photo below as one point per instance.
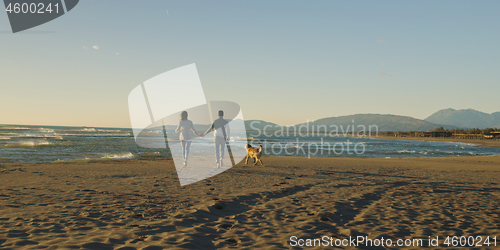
(139, 204)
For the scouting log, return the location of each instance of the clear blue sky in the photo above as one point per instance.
(282, 61)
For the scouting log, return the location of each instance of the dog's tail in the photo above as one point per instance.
(260, 149)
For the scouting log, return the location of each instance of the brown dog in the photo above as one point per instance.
(254, 153)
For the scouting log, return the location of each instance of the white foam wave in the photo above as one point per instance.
(46, 130)
(151, 154)
(98, 135)
(28, 135)
(109, 130)
(14, 128)
(74, 160)
(406, 151)
(125, 155)
(85, 130)
(30, 144)
(41, 136)
(457, 144)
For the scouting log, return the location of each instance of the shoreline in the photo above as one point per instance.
(476, 142)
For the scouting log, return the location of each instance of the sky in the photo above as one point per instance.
(282, 61)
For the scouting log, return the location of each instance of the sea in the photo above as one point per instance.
(42, 144)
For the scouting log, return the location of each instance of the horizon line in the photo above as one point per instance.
(313, 120)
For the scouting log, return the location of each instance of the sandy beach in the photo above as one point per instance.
(139, 204)
(125, 125)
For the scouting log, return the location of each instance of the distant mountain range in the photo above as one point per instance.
(384, 123)
(465, 118)
(446, 118)
(260, 125)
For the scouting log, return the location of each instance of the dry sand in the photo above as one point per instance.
(138, 204)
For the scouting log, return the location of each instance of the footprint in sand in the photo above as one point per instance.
(226, 226)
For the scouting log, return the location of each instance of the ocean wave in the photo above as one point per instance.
(54, 136)
(458, 144)
(42, 136)
(125, 155)
(29, 144)
(425, 152)
(235, 140)
(243, 139)
(14, 128)
(75, 160)
(99, 135)
(4, 138)
(92, 130)
(151, 154)
(36, 136)
(28, 136)
(112, 135)
(484, 154)
(405, 151)
(155, 131)
(109, 130)
(5, 160)
(8, 134)
(86, 130)
(46, 130)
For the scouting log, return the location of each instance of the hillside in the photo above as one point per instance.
(384, 122)
(465, 118)
(253, 125)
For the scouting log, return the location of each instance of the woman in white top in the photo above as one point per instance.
(185, 127)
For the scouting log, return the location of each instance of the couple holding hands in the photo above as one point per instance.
(221, 135)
